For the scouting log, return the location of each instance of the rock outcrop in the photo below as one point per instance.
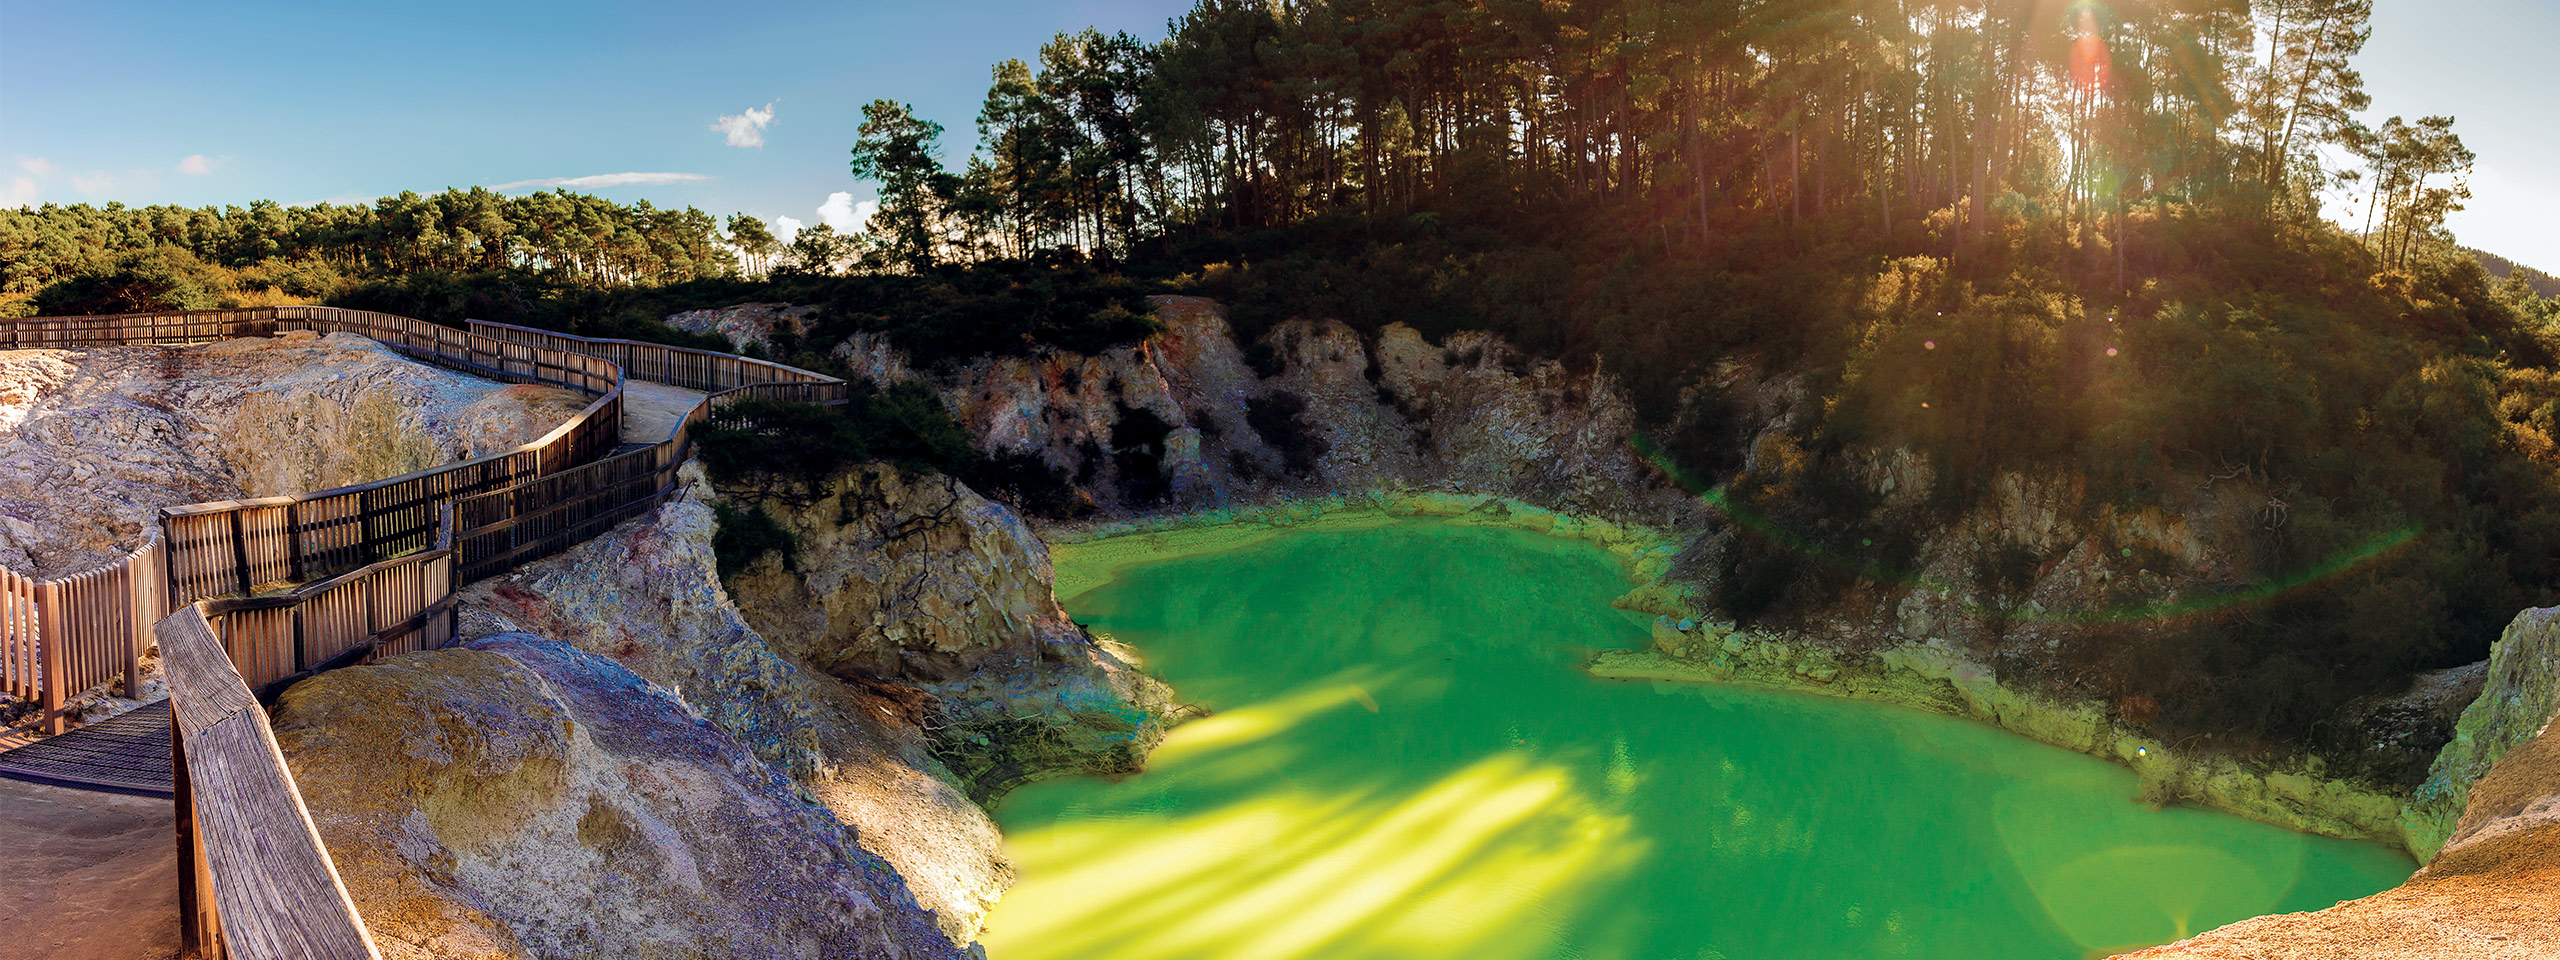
(522, 799)
(894, 575)
(747, 324)
(918, 580)
(869, 746)
(2516, 705)
(1191, 419)
(94, 442)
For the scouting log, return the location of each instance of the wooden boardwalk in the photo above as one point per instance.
(127, 754)
(245, 597)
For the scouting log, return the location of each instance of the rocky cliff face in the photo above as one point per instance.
(522, 799)
(2516, 706)
(901, 579)
(971, 663)
(94, 442)
(1190, 419)
(893, 575)
(747, 324)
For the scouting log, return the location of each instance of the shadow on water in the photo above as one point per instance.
(1406, 761)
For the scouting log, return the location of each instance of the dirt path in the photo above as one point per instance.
(92, 876)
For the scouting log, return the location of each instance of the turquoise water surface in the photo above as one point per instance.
(1406, 761)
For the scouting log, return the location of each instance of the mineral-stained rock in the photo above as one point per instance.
(648, 595)
(93, 442)
(747, 324)
(917, 579)
(2516, 703)
(1393, 410)
(894, 575)
(522, 799)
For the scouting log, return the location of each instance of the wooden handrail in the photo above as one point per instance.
(244, 831)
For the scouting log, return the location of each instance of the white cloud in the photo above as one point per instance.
(841, 212)
(94, 181)
(38, 166)
(785, 228)
(197, 164)
(604, 180)
(21, 192)
(746, 129)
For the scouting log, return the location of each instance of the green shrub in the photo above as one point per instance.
(797, 448)
(141, 281)
(792, 451)
(745, 534)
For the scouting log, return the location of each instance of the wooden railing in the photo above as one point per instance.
(709, 371)
(248, 548)
(393, 606)
(47, 659)
(254, 879)
(542, 517)
(239, 546)
(278, 588)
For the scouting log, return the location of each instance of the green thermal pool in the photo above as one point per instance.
(1406, 761)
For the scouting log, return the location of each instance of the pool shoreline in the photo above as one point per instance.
(2292, 793)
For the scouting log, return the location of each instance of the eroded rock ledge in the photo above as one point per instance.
(520, 798)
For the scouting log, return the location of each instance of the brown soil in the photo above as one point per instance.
(93, 876)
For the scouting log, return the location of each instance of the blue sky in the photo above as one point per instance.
(223, 103)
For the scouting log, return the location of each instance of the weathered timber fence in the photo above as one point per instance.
(391, 606)
(254, 879)
(243, 545)
(709, 371)
(44, 660)
(270, 590)
(55, 636)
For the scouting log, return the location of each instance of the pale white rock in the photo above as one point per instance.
(93, 442)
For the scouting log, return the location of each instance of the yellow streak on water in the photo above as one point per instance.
(1286, 874)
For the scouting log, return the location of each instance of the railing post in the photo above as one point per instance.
(301, 648)
(364, 526)
(49, 631)
(240, 549)
(293, 528)
(137, 622)
(169, 565)
(199, 930)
